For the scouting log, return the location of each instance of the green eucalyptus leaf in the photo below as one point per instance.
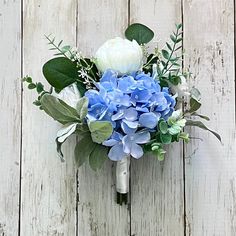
(83, 149)
(60, 72)
(58, 109)
(165, 54)
(139, 32)
(32, 86)
(184, 136)
(100, 130)
(98, 156)
(202, 126)
(28, 79)
(39, 87)
(82, 107)
(168, 45)
(165, 138)
(163, 127)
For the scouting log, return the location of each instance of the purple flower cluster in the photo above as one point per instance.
(133, 104)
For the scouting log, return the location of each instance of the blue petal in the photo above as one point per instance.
(116, 153)
(127, 143)
(136, 151)
(110, 142)
(148, 120)
(142, 137)
(130, 114)
(126, 129)
(131, 124)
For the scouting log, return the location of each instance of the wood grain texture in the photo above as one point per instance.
(10, 125)
(211, 171)
(157, 203)
(48, 186)
(98, 213)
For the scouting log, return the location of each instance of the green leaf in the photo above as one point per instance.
(37, 103)
(163, 127)
(59, 151)
(60, 72)
(65, 48)
(139, 32)
(184, 136)
(59, 110)
(28, 79)
(201, 116)
(98, 156)
(202, 126)
(39, 87)
(83, 149)
(179, 26)
(195, 93)
(100, 130)
(168, 45)
(165, 138)
(174, 79)
(194, 105)
(82, 107)
(173, 38)
(32, 86)
(165, 54)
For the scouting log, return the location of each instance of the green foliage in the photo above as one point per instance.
(139, 32)
(60, 72)
(199, 124)
(65, 51)
(170, 62)
(59, 110)
(82, 107)
(39, 88)
(165, 138)
(100, 130)
(195, 103)
(158, 151)
(163, 126)
(86, 149)
(83, 149)
(98, 156)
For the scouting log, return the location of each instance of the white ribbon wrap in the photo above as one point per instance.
(122, 175)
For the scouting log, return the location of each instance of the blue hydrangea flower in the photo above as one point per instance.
(133, 104)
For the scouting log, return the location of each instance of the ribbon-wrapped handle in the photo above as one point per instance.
(122, 180)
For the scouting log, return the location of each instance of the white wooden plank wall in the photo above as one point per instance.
(211, 172)
(193, 192)
(10, 124)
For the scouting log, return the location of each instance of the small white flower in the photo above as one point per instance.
(120, 55)
(70, 95)
(181, 89)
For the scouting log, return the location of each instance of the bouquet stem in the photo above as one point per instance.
(122, 180)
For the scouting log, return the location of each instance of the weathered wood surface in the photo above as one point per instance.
(157, 204)
(211, 171)
(98, 213)
(10, 125)
(39, 195)
(48, 187)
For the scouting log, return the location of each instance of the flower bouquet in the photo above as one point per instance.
(121, 103)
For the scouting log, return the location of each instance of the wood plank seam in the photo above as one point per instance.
(21, 113)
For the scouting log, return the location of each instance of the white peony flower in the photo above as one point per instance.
(120, 55)
(181, 89)
(70, 95)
